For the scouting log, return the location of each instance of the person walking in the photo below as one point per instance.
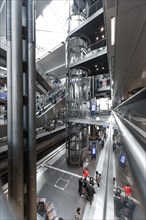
(78, 214)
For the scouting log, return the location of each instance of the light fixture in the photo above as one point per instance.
(102, 29)
(103, 68)
(102, 36)
(97, 38)
(113, 27)
(3, 68)
(97, 69)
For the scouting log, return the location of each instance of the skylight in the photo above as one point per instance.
(51, 27)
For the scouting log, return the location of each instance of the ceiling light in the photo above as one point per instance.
(97, 38)
(95, 65)
(102, 29)
(113, 27)
(97, 69)
(103, 68)
(102, 36)
(3, 68)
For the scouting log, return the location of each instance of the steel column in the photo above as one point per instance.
(31, 111)
(17, 98)
(9, 99)
(92, 87)
(92, 127)
(25, 106)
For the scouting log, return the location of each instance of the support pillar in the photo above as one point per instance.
(9, 99)
(92, 127)
(31, 109)
(21, 107)
(17, 107)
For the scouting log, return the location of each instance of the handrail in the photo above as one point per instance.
(95, 7)
(139, 95)
(136, 157)
(134, 106)
(86, 52)
(46, 102)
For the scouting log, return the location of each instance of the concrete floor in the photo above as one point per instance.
(58, 183)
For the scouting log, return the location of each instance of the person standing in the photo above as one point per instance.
(98, 178)
(102, 144)
(85, 173)
(127, 189)
(78, 214)
(80, 186)
(90, 193)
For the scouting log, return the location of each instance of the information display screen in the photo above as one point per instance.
(3, 95)
(122, 158)
(93, 107)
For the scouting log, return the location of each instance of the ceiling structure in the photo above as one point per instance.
(51, 26)
(127, 58)
(54, 63)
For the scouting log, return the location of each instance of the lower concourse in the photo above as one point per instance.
(58, 183)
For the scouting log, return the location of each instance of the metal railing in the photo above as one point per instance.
(87, 52)
(47, 101)
(136, 158)
(95, 7)
(134, 109)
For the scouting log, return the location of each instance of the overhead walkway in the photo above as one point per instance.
(91, 121)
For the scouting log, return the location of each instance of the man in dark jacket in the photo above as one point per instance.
(90, 193)
(80, 186)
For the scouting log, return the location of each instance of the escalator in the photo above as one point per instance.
(46, 109)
